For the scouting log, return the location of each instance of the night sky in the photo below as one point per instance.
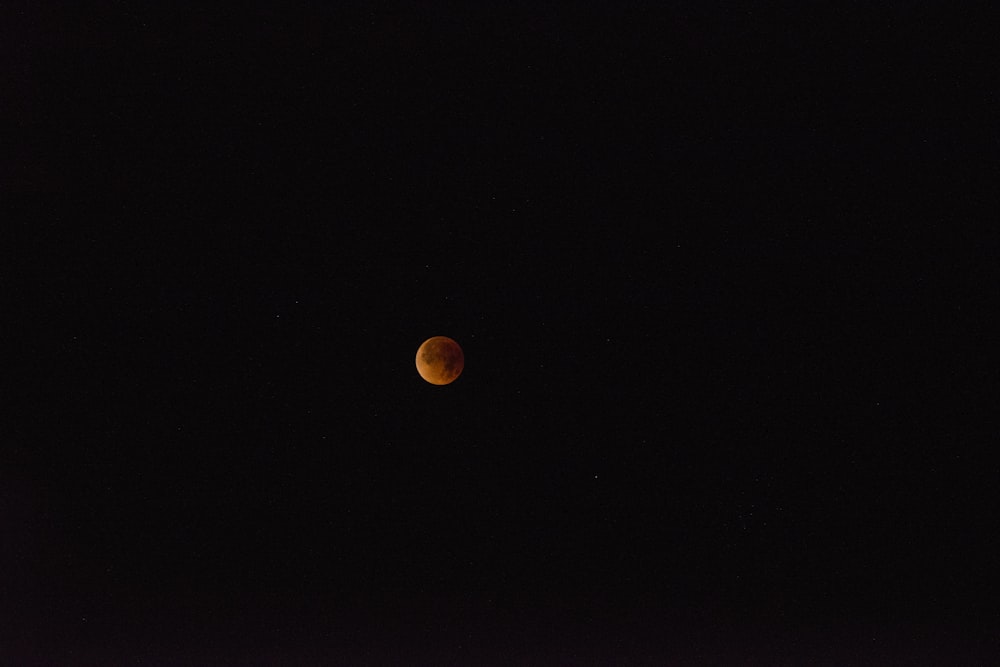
(725, 398)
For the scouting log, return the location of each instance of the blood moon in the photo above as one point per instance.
(440, 360)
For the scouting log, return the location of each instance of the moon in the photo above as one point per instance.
(440, 360)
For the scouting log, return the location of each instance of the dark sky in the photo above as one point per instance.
(725, 398)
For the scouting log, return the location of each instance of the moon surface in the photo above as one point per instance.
(440, 360)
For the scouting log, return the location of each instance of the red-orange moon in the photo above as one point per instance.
(440, 360)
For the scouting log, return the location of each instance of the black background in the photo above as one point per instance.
(724, 317)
